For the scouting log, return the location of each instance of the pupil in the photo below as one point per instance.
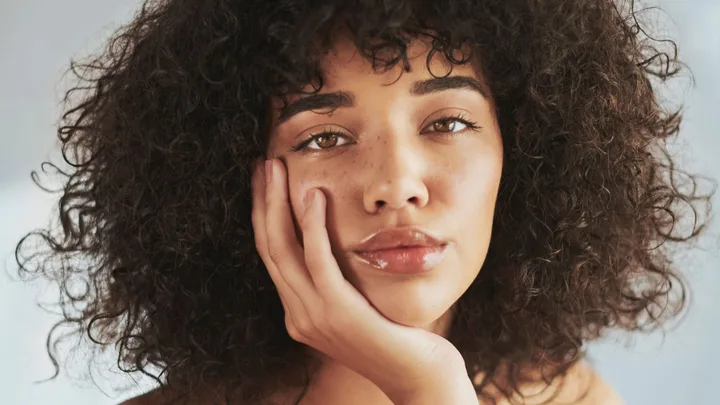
(327, 140)
(445, 125)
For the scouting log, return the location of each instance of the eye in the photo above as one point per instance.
(451, 124)
(323, 140)
(329, 139)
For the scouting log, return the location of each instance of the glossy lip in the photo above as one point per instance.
(389, 238)
(404, 250)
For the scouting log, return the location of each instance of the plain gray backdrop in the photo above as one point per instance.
(37, 40)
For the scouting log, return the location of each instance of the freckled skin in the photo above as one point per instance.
(388, 173)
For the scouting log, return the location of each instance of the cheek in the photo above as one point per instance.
(302, 178)
(471, 213)
(473, 187)
(300, 181)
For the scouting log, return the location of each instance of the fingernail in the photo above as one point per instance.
(268, 171)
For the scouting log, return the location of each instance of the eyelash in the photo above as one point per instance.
(471, 125)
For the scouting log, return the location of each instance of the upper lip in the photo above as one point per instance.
(390, 238)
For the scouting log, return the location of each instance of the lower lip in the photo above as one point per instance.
(405, 260)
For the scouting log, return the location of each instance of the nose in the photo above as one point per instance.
(397, 181)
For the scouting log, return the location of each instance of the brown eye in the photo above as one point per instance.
(326, 141)
(450, 125)
(323, 141)
(444, 125)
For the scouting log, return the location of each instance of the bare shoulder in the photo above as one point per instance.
(581, 385)
(584, 386)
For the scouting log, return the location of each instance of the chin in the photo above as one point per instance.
(414, 318)
(416, 303)
(422, 300)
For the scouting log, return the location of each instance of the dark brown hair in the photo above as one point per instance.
(154, 230)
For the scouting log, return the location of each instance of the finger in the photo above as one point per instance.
(287, 296)
(320, 261)
(283, 247)
(295, 312)
(258, 207)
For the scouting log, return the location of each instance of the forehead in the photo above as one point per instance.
(344, 68)
(344, 61)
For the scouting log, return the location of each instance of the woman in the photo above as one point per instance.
(288, 202)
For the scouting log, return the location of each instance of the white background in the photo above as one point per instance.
(37, 39)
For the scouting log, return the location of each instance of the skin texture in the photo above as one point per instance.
(153, 247)
(387, 169)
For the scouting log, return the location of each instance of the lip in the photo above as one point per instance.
(405, 250)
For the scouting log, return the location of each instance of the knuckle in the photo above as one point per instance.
(274, 255)
(312, 261)
(304, 327)
(296, 335)
(271, 204)
(292, 330)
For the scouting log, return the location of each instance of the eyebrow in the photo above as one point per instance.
(343, 99)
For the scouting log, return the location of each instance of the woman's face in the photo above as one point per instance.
(398, 155)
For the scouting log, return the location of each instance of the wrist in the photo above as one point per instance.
(456, 391)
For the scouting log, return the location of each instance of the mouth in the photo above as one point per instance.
(408, 250)
(404, 260)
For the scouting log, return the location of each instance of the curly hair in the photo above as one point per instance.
(154, 249)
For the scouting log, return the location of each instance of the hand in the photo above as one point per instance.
(324, 311)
